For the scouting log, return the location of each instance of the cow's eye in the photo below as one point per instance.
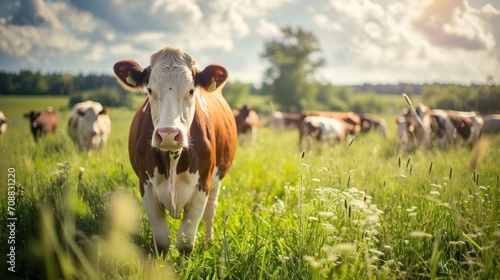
(189, 95)
(149, 91)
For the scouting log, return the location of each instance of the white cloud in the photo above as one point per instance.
(413, 41)
(255, 8)
(452, 24)
(362, 40)
(268, 29)
(324, 22)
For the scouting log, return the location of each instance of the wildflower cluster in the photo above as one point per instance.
(348, 223)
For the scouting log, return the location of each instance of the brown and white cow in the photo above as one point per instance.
(320, 128)
(491, 124)
(89, 126)
(3, 124)
(42, 122)
(454, 127)
(247, 121)
(281, 121)
(348, 117)
(414, 128)
(182, 141)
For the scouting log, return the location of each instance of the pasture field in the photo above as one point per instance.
(355, 210)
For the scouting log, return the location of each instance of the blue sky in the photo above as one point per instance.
(384, 41)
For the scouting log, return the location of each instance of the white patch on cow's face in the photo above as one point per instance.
(172, 99)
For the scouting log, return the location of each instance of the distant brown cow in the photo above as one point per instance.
(42, 122)
(247, 121)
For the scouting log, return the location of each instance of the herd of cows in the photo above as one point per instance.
(183, 138)
(89, 125)
(416, 127)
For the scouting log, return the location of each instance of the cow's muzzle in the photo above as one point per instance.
(168, 139)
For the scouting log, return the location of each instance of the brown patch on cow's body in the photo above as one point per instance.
(462, 125)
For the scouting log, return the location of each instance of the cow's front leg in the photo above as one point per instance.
(156, 216)
(190, 222)
(209, 213)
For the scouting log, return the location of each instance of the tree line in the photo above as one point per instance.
(27, 82)
(101, 88)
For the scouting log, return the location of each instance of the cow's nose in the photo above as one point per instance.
(168, 136)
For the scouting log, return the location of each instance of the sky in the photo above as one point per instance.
(362, 41)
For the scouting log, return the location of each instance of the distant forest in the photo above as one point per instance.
(27, 82)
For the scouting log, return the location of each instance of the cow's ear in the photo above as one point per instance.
(212, 77)
(131, 75)
(104, 111)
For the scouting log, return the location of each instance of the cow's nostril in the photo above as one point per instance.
(158, 137)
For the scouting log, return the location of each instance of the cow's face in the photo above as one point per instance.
(406, 125)
(173, 85)
(93, 123)
(33, 116)
(172, 92)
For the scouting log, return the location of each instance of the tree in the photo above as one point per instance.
(236, 92)
(293, 58)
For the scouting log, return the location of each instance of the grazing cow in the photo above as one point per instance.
(414, 128)
(491, 124)
(89, 126)
(369, 122)
(42, 122)
(281, 120)
(3, 124)
(456, 127)
(320, 128)
(247, 121)
(182, 141)
(348, 117)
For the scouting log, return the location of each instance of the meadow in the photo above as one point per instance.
(355, 210)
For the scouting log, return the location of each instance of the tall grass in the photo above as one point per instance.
(359, 211)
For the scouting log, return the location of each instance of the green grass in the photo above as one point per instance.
(339, 212)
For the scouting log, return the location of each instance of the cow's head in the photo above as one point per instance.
(32, 116)
(173, 84)
(90, 118)
(406, 124)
